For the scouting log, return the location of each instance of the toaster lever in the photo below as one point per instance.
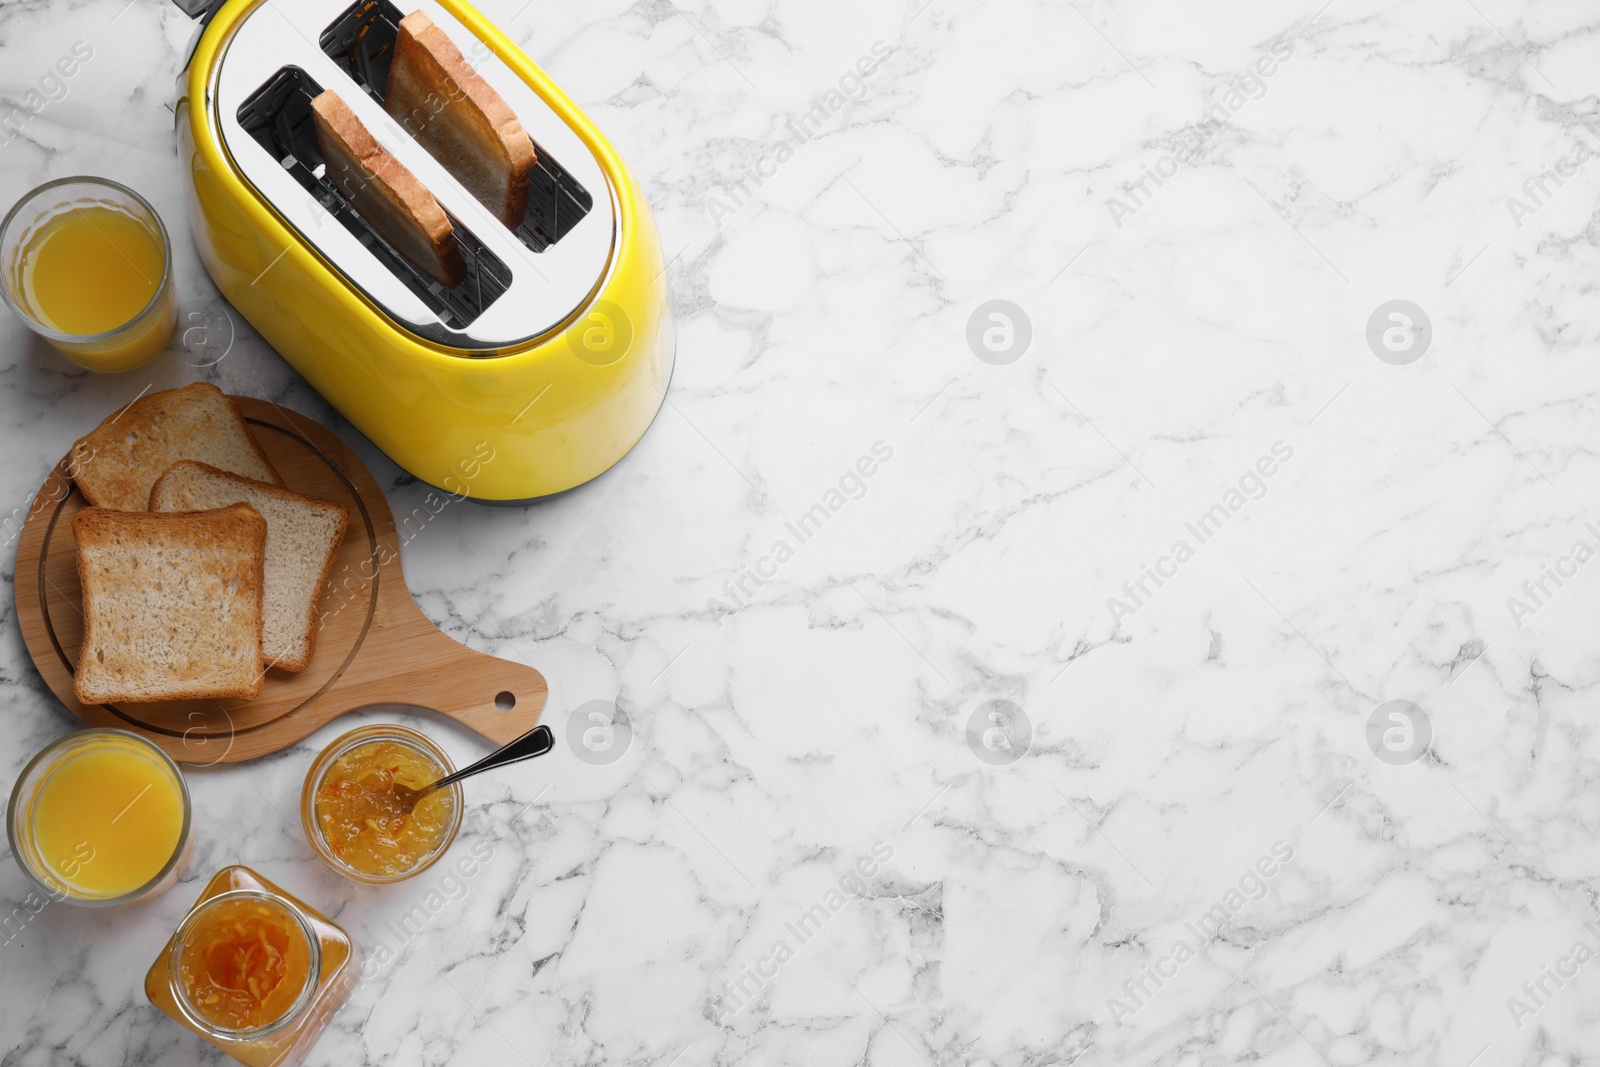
(199, 9)
(203, 11)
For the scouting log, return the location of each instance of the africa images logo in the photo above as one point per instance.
(852, 86)
(1250, 486)
(1252, 885)
(1190, 142)
(737, 993)
(850, 486)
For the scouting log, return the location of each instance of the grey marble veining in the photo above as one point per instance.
(1205, 855)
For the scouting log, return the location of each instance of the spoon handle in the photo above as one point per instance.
(536, 742)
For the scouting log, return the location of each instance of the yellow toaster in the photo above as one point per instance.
(537, 372)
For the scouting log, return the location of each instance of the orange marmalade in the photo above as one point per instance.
(244, 962)
(363, 821)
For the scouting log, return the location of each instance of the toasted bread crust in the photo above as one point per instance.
(444, 103)
(116, 463)
(385, 193)
(238, 533)
(328, 507)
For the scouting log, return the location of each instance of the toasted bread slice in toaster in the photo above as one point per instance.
(385, 193)
(458, 117)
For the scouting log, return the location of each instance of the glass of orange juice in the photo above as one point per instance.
(100, 817)
(87, 264)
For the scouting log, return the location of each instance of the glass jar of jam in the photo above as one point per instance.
(358, 822)
(254, 971)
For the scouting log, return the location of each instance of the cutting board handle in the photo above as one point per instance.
(414, 662)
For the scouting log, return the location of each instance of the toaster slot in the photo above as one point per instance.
(278, 117)
(361, 41)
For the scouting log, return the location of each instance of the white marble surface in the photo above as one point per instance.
(1173, 746)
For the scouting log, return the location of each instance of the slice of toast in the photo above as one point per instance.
(303, 536)
(385, 193)
(118, 462)
(171, 605)
(458, 117)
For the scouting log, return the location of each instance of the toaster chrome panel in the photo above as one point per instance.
(523, 293)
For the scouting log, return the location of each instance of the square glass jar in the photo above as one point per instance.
(335, 963)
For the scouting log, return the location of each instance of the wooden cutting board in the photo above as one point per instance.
(375, 645)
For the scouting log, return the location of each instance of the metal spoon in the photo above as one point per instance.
(536, 742)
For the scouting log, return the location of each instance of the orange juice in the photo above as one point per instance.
(91, 269)
(107, 818)
(85, 262)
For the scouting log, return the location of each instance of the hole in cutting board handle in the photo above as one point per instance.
(505, 700)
